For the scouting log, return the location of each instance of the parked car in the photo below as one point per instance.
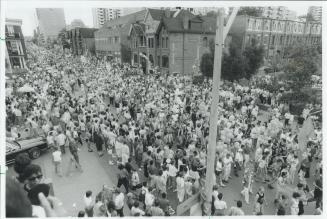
(33, 147)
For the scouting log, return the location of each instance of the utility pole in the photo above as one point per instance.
(221, 33)
(211, 148)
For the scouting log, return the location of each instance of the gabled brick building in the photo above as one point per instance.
(172, 40)
(112, 40)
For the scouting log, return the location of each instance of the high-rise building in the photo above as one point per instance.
(15, 46)
(278, 12)
(315, 12)
(114, 13)
(101, 15)
(51, 22)
(197, 11)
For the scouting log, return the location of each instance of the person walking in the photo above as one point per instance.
(98, 140)
(227, 161)
(88, 201)
(180, 187)
(61, 141)
(220, 205)
(56, 156)
(236, 210)
(74, 159)
(123, 178)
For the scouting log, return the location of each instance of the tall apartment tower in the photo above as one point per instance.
(101, 15)
(197, 11)
(51, 21)
(315, 12)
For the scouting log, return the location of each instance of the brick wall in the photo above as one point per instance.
(194, 46)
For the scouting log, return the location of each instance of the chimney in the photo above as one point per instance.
(186, 20)
(167, 12)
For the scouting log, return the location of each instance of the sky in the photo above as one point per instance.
(82, 10)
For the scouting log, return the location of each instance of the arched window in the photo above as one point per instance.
(165, 61)
(205, 41)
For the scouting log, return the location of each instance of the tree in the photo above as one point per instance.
(212, 14)
(233, 64)
(302, 64)
(254, 55)
(308, 17)
(250, 11)
(206, 64)
(299, 71)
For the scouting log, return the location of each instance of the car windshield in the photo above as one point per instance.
(11, 147)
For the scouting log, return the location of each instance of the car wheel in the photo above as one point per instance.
(35, 153)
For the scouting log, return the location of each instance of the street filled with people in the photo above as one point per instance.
(154, 129)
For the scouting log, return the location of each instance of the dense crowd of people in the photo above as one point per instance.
(155, 129)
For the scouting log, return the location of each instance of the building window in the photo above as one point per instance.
(10, 30)
(158, 60)
(165, 61)
(249, 24)
(163, 42)
(116, 39)
(272, 40)
(151, 42)
(281, 40)
(167, 42)
(15, 62)
(265, 40)
(279, 27)
(205, 41)
(142, 41)
(158, 41)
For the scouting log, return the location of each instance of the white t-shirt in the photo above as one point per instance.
(219, 166)
(119, 201)
(56, 156)
(61, 139)
(220, 205)
(172, 170)
(88, 202)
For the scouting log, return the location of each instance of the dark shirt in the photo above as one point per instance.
(128, 167)
(164, 203)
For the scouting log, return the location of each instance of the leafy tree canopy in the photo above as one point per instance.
(251, 11)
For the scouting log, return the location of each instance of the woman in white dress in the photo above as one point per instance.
(180, 187)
